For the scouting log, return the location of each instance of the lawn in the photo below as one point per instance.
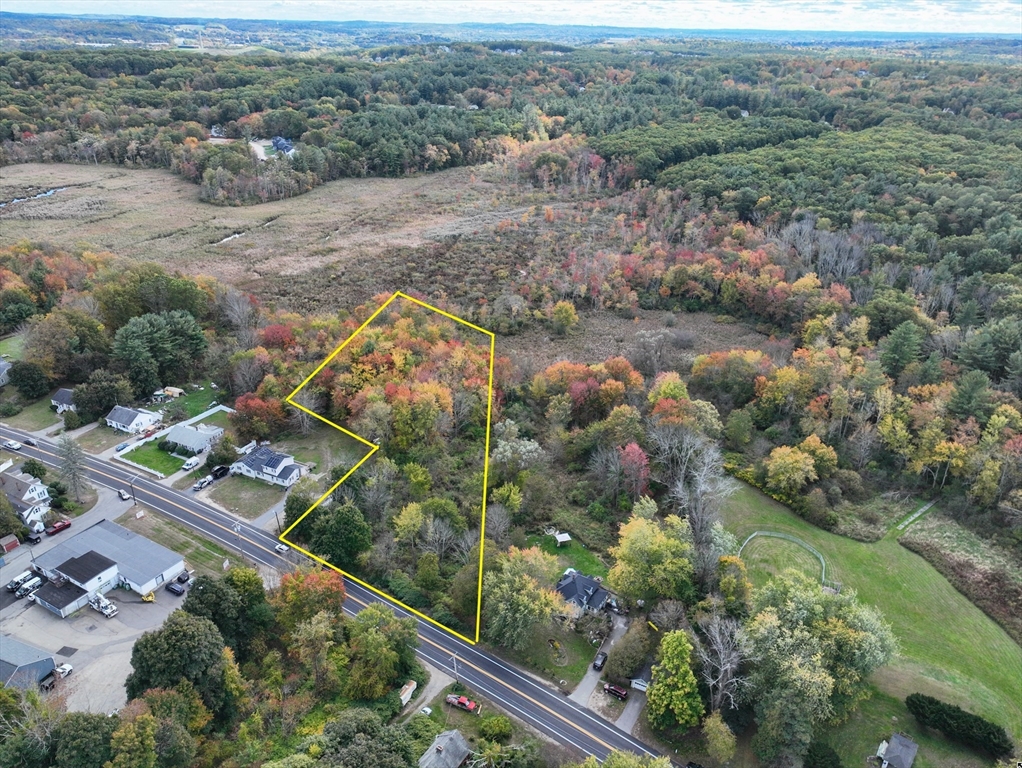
(572, 555)
(949, 648)
(200, 555)
(198, 400)
(768, 556)
(245, 496)
(10, 347)
(102, 438)
(35, 417)
(568, 662)
(323, 447)
(149, 455)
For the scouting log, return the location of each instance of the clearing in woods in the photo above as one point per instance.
(949, 648)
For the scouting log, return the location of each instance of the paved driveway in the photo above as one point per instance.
(585, 688)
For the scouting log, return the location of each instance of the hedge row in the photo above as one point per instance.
(961, 726)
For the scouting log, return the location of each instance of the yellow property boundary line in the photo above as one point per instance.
(373, 448)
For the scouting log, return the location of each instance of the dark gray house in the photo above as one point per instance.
(583, 592)
(22, 665)
(900, 752)
(448, 750)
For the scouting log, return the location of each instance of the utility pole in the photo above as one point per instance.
(454, 657)
(131, 484)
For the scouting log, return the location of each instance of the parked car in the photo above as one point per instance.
(12, 445)
(31, 595)
(63, 670)
(30, 441)
(616, 691)
(57, 527)
(28, 587)
(461, 702)
(121, 446)
(427, 711)
(219, 471)
(183, 577)
(123, 494)
(599, 661)
(282, 548)
(200, 484)
(173, 586)
(33, 538)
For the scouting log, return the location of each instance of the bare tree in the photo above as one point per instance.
(699, 495)
(464, 405)
(467, 541)
(721, 655)
(498, 523)
(376, 492)
(669, 615)
(605, 468)
(310, 400)
(246, 375)
(439, 538)
(672, 447)
(236, 307)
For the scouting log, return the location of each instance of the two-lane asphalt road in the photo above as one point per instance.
(545, 709)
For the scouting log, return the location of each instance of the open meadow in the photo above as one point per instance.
(949, 648)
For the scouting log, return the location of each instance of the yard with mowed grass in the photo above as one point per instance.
(10, 347)
(571, 555)
(35, 417)
(201, 555)
(102, 438)
(195, 401)
(246, 497)
(149, 455)
(949, 648)
(767, 556)
(324, 447)
(568, 661)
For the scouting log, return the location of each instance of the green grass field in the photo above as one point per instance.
(200, 554)
(571, 555)
(35, 417)
(149, 455)
(197, 401)
(101, 438)
(949, 648)
(766, 557)
(11, 346)
(245, 496)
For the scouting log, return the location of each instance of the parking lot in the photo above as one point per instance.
(99, 648)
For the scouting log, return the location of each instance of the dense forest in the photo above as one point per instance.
(865, 215)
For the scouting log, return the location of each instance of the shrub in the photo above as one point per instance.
(9, 408)
(72, 420)
(821, 755)
(958, 725)
(496, 728)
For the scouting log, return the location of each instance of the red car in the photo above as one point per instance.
(57, 527)
(615, 690)
(462, 702)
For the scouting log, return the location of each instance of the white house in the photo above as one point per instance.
(131, 420)
(61, 400)
(268, 466)
(196, 438)
(28, 495)
(102, 557)
(5, 372)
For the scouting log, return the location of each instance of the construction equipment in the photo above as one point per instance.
(149, 598)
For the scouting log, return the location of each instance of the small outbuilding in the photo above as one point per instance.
(900, 752)
(448, 750)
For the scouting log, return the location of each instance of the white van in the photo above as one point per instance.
(18, 580)
(28, 587)
(191, 464)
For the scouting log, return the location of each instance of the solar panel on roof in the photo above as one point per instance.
(274, 461)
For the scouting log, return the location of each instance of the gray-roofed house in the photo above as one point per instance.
(196, 438)
(101, 557)
(269, 466)
(448, 750)
(62, 400)
(583, 592)
(23, 665)
(5, 372)
(899, 753)
(28, 495)
(131, 420)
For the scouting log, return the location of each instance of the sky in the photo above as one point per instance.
(959, 16)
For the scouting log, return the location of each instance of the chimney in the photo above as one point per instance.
(439, 747)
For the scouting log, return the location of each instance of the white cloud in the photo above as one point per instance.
(968, 16)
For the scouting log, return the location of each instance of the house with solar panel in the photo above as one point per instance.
(269, 466)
